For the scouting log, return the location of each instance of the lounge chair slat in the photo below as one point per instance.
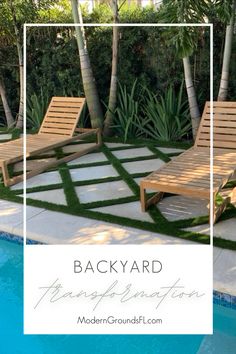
(189, 173)
(57, 129)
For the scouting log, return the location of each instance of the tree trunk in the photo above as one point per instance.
(224, 82)
(192, 99)
(20, 117)
(89, 84)
(107, 130)
(7, 110)
(139, 3)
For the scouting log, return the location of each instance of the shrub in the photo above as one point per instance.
(36, 106)
(127, 120)
(166, 116)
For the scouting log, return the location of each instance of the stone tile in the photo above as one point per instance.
(5, 136)
(103, 191)
(43, 179)
(224, 229)
(143, 166)
(30, 164)
(75, 147)
(58, 228)
(129, 153)
(87, 173)
(180, 207)
(128, 210)
(116, 145)
(216, 253)
(55, 196)
(11, 216)
(169, 150)
(89, 158)
(225, 272)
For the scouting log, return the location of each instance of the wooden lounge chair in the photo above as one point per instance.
(57, 129)
(189, 173)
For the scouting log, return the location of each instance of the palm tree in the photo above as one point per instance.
(113, 85)
(185, 40)
(89, 84)
(224, 82)
(192, 98)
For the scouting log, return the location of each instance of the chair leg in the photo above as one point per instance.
(155, 199)
(218, 210)
(143, 198)
(233, 194)
(5, 174)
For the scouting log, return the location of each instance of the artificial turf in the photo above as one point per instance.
(75, 207)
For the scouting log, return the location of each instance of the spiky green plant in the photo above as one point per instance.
(166, 117)
(36, 106)
(127, 119)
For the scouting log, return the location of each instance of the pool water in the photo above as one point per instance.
(12, 340)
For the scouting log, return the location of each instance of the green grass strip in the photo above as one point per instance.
(44, 188)
(128, 147)
(69, 190)
(156, 215)
(97, 181)
(159, 153)
(87, 165)
(120, 169)
(109, 202)
(135, 141)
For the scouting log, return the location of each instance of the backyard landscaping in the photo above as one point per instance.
(104, 185)
(145, 89)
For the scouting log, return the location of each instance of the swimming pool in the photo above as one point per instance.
(14, 342)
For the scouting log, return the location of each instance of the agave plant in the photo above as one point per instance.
(166, 117)
(36, 106)
(127, 119)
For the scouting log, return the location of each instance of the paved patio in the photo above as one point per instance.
(106, 184)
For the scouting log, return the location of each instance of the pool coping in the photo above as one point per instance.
(223, 289)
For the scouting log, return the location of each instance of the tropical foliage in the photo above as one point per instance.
(151, 54)
(141, 113)
(127, 117)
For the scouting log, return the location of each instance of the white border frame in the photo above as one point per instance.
(210, 25)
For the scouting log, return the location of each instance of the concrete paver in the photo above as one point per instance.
(132, 153)
(89, 173)
(130, 210)
(143, 166)
(103, 191)
(43, 179)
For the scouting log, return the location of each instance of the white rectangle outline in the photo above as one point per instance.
(210, 25)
